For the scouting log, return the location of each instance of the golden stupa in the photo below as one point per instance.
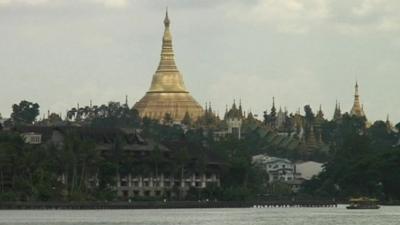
(167, 93)
(357, 109)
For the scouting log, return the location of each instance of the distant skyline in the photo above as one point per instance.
(59, 52)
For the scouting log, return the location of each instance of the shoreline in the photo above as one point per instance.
(164, 205)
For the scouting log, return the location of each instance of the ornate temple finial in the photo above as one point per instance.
(357, 110)
(166, 20)
(167, 61)
(356, 89)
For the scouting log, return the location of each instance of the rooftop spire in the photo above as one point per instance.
(356, 88)
(357, 110)
(167, 77)
(337, 114)
(166, 20)
(273, 102)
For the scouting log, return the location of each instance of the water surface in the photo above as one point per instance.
(387, 215)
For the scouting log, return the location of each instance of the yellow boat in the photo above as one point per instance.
(363, 203)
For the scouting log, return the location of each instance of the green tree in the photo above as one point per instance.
(25, 112)
(181, 157)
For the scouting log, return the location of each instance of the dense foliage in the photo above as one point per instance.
(364, 162)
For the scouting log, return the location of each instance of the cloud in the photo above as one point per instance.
(302, 16)
(291, 16)
(105, 3)
(112, 3)
(27, 2)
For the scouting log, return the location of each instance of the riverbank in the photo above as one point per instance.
(163, 204)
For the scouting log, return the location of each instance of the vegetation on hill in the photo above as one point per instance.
(359, 160)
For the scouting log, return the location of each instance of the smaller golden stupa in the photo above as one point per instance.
(357, 109)
(167, 93)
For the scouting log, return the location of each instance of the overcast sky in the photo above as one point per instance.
(61, 52)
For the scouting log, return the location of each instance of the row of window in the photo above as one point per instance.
(124, 183)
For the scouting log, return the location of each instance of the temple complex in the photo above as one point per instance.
(167, 93)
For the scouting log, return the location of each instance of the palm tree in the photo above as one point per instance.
(156, 158)
(181, 157)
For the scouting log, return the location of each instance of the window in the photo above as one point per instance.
(124, 182)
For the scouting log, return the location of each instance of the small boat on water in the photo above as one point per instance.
(363, 203)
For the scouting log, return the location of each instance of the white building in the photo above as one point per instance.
(278, 169)
(234, 126)
(32, 138)
(284, 170)
(306, 170)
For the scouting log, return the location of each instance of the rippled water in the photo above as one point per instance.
(271, 216)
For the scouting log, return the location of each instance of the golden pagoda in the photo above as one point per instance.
(167, 93)
(357, 110)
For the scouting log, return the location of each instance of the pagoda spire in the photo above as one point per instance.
(357, 110)
(240, 108)
(273, 102)
(320, 113)
(167, 62)
(273, 109)
(337, 114)
(167, 77)
(167, 92)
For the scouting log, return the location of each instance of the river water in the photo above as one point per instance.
(252, 216)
